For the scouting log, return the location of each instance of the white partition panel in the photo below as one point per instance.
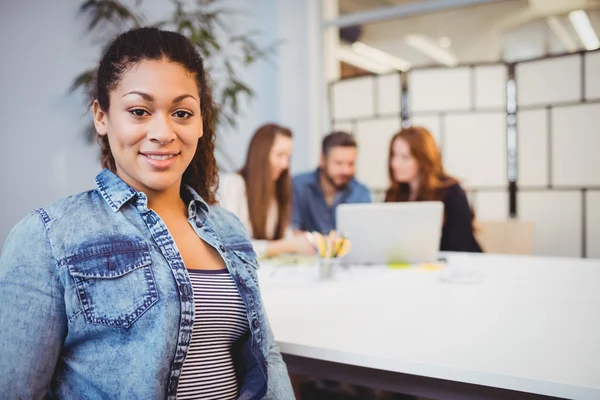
(490, 86)
(389, 93)
(433, 123)
(549, 81)
(343, 126)
(353, 98)
(533, 136)
(576, 145)
(593, 224)
(475, 148)
(373, 139)
(470, 197)
(440, 89)
(592, 77)
(557, 217)
(491, 206)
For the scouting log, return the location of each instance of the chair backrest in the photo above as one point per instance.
(505, 237)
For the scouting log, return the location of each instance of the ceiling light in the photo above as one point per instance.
(562, 34)
(349, 56)
(445, 42)
(380, 56)
(431, 49)
(584, 29)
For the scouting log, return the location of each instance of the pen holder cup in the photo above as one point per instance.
(327, 267)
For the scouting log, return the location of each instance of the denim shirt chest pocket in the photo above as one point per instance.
(114, 281)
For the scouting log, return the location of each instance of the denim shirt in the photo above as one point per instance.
(96, 303)
(311, 213)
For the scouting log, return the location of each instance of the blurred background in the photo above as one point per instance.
(509, 88)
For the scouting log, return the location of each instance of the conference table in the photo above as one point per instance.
(522, 327)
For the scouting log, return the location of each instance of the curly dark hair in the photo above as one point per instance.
(141, 44)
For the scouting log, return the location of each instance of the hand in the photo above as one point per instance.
(302, 245)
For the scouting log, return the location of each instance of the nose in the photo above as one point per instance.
(161, 130)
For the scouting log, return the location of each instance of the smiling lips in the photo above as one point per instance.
(159, 159)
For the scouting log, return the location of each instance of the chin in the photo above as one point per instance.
(159, 182)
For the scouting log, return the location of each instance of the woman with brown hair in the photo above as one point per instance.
(416, 174)
(260, 193)
(141, 288)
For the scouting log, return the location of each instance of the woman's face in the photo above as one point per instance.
(153, 124)
(280, 155)
(404, 166)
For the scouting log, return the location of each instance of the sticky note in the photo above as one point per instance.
(399, 265)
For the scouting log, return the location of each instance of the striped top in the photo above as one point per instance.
(220, 319)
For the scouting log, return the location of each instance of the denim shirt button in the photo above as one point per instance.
(222, 248)
(198, 224)
(255, 324)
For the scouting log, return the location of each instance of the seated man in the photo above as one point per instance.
(317, 194)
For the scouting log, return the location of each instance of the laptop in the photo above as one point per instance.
(391, 233)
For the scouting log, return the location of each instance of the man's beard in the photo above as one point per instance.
(338, 187)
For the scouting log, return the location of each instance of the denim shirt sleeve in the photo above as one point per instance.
(279, 385)
(32, 311)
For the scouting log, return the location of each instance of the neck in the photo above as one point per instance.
(414, 188)
(326, 186)
(167, 201)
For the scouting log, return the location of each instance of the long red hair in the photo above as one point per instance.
(260, 187)
(432, 177)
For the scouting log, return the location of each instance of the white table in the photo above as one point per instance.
(531, 325)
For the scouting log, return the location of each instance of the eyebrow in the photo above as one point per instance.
(150, 98)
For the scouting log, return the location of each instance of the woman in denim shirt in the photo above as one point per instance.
(141, 288)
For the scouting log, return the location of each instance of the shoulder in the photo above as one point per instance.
(29, 228)
(454, 190)
(233, 178)
(233, 182)
(74, 207)
(80, 206)
(455, 196)
(360, 192)
(59, 220)
(303, 178)
(232, 192)
(360, 188)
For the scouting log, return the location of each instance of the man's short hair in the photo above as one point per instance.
(337, 139)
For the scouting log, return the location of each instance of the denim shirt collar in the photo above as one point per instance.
(116, 193)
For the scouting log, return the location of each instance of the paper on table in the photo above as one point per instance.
(432, 266)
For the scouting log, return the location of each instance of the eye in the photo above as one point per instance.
(138, 112)
(182, 114)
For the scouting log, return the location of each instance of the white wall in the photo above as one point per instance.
(300, 97)
(557, 120)
(44, 155)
